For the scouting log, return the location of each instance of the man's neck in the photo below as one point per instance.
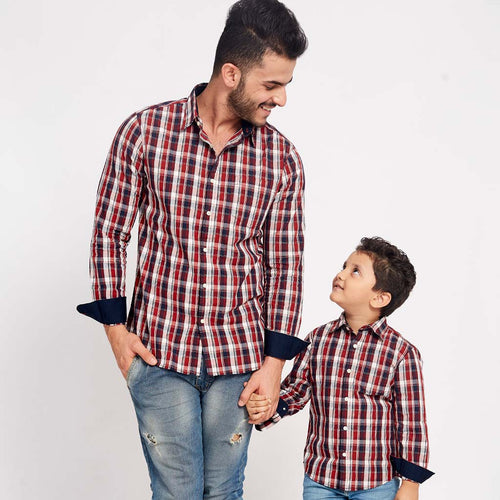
(219, 121)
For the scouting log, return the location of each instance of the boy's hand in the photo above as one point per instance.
(257, 407)
(407, 491)
(265, 381)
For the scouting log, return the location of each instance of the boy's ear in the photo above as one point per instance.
(231, 75)
(380, 300)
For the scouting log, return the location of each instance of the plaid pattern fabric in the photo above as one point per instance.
(367, 405)
(220, 238)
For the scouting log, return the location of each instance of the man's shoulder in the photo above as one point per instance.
(162, 108)
(271, 134)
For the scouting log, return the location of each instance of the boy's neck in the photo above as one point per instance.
(357, 320)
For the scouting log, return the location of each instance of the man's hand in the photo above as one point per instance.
(265, 382)
(257, 407)
(407, 491)
(126, 346)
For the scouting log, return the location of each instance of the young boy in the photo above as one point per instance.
(367, 422)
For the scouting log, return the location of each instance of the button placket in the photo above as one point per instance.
(205, 233)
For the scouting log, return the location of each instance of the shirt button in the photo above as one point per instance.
(212, 180)
(344, 455)
(346, 399)
(202, 321)
(355, 345)
(204, 285)
(345, 427)
(349, 370)
(209, 213)
(205, 250)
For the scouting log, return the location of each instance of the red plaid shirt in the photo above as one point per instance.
(220, 241)
(367, 413)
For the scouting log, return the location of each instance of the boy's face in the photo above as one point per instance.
(352, 287)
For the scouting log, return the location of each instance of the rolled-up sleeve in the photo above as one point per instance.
(410, 419)
(118, 199)
(283, 260)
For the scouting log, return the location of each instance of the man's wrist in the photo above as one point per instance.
(116, 329)
(275, 362)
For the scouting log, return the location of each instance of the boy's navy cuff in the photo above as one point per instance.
(410, 470)
(106, 311)
(282, 346)
(282, 408)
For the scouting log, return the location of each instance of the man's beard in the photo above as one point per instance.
(242, 105)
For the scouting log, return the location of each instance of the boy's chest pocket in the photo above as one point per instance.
(375, 381)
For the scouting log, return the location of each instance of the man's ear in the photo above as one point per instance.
(380, 300)
(231, 75)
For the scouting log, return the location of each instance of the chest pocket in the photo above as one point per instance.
(375, 380)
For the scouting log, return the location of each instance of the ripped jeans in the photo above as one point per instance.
(193, 433)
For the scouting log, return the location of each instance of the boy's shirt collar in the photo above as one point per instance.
(378, 327)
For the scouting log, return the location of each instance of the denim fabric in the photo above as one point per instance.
(316, 491)
(193, 433)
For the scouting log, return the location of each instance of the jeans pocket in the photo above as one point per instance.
(132, 369)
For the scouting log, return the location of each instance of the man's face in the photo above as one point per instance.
(352, 288)
(262, 88)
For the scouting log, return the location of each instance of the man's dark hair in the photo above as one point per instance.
(254, 27)
(394, 273)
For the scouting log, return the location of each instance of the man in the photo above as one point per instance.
(217, 296)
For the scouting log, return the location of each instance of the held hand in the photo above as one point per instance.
(407, 491)
(266, 382)
(257, 407)
(126, 346)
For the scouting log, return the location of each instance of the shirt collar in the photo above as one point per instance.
(378, 327)
(191, 113)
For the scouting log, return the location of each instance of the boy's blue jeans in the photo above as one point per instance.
(193, 433)
(316, 491)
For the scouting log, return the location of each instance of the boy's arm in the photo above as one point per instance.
(411, 456)
(295, 389)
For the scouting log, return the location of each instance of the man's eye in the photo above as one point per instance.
(269, 87)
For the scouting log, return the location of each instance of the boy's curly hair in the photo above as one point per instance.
(394, 273)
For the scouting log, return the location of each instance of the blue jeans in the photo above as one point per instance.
(193, 433)
(316, 491)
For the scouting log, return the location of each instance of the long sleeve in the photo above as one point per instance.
(118, 198)
(283, 249)
(410, 419)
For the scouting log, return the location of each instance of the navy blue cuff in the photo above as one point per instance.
(106, 311)
(282, 346)
(410, 470)
(282, 408)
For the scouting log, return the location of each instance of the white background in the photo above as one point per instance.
(395, 110)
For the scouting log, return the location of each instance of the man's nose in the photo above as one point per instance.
(279, 97)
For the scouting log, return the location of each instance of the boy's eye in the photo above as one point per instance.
(355, 271)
